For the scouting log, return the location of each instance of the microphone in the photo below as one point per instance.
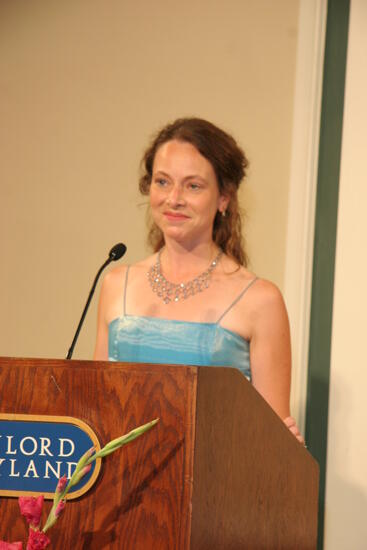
(114, 254)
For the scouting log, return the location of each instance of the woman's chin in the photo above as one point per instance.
(176, 233)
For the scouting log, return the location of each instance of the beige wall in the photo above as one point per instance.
(83, 85)
(346, 487)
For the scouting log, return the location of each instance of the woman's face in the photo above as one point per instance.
(184, 193)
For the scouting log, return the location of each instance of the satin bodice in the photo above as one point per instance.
(154, 340)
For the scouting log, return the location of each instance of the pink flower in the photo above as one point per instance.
(10, 545)
(59, 508)
(37, 540)
(86, 469)
(31, 508)
(75, 480)
(61, 484)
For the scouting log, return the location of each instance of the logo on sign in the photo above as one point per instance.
(35, 451)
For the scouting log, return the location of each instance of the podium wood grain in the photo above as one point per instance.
(220, 471)
(141, 498)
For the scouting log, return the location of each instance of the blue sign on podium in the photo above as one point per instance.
(35, 451)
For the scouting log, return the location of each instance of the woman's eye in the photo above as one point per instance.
(161, 182)
(194, 186)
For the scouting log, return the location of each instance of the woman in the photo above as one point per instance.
(194, 301)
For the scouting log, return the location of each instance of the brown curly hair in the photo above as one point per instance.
(229, 163)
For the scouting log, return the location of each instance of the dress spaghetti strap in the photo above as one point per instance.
(237, 299)
(125, 288)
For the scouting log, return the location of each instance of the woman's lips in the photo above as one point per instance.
(175, 216)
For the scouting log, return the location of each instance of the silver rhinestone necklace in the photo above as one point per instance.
(171, 292)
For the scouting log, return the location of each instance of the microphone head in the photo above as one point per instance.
(117, 252)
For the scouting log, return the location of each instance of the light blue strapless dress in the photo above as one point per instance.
(140, 339)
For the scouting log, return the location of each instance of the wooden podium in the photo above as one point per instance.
(220, 471)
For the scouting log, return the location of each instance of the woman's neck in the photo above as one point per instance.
(179, 263)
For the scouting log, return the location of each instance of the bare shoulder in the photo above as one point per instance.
(266, 294)
(262, 291)
(268, 312)
(264, 301)
(114, 280)
(114, 277)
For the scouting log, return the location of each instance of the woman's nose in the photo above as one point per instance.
(176, 196)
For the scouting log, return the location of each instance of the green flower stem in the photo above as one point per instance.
(89, 457)
(115, 444)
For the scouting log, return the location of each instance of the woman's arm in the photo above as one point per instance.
(101, 347)
(270, 352)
